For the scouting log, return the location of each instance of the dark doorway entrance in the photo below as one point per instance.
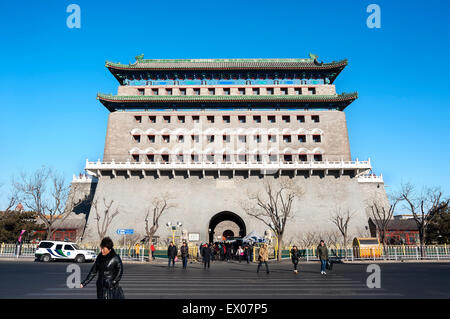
(226, 219)
(228, 233)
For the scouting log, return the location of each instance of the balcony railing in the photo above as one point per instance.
(371, 178)
(94, 167)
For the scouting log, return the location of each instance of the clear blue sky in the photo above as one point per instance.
(50, 74)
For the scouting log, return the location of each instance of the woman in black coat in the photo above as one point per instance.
(295, 255)
(206, 254)
(109, 268)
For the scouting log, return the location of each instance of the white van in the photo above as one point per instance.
(52, 250)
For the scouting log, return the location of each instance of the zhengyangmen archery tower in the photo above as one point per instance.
(209, 131)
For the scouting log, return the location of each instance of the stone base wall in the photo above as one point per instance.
(197, 199)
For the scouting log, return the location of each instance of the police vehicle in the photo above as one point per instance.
(58, 250)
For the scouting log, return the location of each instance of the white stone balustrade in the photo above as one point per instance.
(83, 178)
(94, 168)
(370, 178)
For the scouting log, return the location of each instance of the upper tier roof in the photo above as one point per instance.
(120, 71)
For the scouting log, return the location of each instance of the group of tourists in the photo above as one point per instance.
(321, 253)
(228, 251)
(208, 252)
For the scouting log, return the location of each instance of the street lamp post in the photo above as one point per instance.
(173, 228)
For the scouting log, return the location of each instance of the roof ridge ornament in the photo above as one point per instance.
(139, 58)
(314, 57)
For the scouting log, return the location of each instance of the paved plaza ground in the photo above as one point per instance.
(28, 279)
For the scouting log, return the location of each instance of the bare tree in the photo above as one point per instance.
(381, 213)
(274, 207)
(11, 203)
(341, 219)
(45, 193)
(362, 232)
(104, 217)
(424, 207)
(159, 206)
(331, 238)
(309, 239)
(291, 241)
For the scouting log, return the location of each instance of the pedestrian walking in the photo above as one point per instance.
(222, 252)
(216, 252)
(228, 252)
(137, 249)
(247, 253)
(295, 255)
(109, 269)
(263, 257)
(206, 255)
(172, 252)
(211, 248)
(240, 253)
(152, 248)
(184, 254)
(322, 253)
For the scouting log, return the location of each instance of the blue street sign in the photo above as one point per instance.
(125, 231)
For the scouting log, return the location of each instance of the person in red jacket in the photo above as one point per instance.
(152, 248)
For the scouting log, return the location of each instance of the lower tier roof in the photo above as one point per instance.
(115, 102)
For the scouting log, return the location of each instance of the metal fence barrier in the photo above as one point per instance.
(397, 252)
(11, 250)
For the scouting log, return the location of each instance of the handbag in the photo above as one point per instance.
(329, 265)
(116, 293)
(176, 259)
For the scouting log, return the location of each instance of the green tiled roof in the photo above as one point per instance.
(114, 102)
(205, 64)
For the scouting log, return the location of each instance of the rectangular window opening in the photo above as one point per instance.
(302, 138)
(318, 157)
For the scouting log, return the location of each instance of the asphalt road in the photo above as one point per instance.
(27, 279)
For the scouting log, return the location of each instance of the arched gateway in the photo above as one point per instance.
(226, 224)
